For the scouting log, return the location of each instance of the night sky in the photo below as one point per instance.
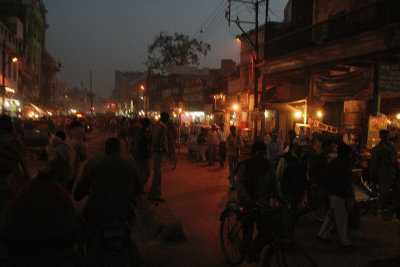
(108, 35)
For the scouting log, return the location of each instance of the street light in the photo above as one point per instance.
(3, 69)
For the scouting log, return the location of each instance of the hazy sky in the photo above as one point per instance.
(108, 35)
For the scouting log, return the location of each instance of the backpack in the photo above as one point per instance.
(293, 181)
(254, 168)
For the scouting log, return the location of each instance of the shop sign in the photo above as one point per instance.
(389, 77)
(322, 126)
(374, 126)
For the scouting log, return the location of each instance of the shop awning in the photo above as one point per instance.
(286, 107)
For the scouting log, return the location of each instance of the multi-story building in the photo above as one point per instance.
(129, 91)
(330, 65)
(11, 47)
(199, 93)
(32, 14)
(48, 84)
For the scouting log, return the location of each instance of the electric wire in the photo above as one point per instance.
(211, 17)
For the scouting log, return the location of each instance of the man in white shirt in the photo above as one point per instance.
(274, 148)
(222, 135)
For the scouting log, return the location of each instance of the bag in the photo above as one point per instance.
(353, 221)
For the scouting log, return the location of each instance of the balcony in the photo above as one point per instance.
(361, 21)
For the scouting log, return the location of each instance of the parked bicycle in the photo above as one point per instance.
(279, 253)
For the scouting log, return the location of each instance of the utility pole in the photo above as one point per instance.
(91, 94)
(3, 73)
(146, 92)
(255, 48)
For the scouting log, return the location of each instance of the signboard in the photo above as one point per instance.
(374, 126)
(389, 77)
(322, 126)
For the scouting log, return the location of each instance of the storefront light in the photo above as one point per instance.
(298, 114)
(319, 114)
(266, 114)
(10, 90)
(398, 116)
(235, 107)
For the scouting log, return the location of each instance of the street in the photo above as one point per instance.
(195, 196)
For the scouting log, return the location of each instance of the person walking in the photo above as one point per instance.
(159, 147)
(291, 173)
(201, 141)
(384, 168)
(274, 148)
(233, 145)
(222, 135)
(212, 145)
(338, 184)
(41, 226)
(61, 161)
(141, 150)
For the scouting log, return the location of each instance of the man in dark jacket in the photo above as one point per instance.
(384, 167)
(317, 173)
(256, 185)
(112, 185)
(338, 184)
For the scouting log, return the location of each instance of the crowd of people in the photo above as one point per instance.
(37, 214)
(39, 223)
(322, 169)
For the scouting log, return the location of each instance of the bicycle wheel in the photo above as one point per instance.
(290, 255)
(231, 234)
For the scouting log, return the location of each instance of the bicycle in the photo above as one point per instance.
(279, 253)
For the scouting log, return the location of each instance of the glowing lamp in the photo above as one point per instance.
(298, 114)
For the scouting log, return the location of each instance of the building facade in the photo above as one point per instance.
(329, 66)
